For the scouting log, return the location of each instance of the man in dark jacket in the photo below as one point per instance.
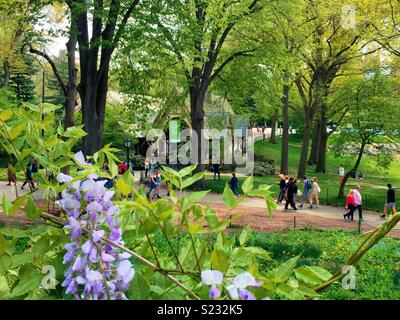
(390, 201)
(233, 184)
(291, 190)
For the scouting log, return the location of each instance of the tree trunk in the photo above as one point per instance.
(197, 98)
(352, 171)
(285, 130)
(70, 101)
(272, 138)
(301, 171)
(6, 76)
(312, 160)
(93, 111)
(323, 143)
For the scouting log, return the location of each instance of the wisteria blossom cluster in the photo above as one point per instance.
(97, 270)
(237, 289)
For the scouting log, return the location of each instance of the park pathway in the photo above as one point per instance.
(254, 214)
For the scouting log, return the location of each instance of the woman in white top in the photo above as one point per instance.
(315, 190)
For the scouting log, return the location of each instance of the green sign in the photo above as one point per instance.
(175, 131)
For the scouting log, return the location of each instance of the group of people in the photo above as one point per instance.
(31, 171)
(288, 190)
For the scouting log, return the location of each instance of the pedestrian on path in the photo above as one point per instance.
(233, 184)
(358, 201)
(146, 168)
(291, 190)
(216, 169)
(28, 177)
(390, 201)
(282, 186)
(155, 183)
(315, 190)
(307, 186)
(350, 206)
(11, 176)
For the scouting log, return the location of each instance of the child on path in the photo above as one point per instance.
(315, 190)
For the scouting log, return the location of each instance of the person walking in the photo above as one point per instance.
(291, 190)
(295, 195)
(28, 178)
(11, 176)
(233, 184)
(154, 184)
(350, 206)
(307, 186)
(315, 190)
(282, 186)
(358, 201)
(341, 173)
(216, 169)
(390, 201)
(122, 168)
(146, 167)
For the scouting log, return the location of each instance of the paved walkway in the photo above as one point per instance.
(254, 214)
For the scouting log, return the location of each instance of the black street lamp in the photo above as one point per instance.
(128, 144)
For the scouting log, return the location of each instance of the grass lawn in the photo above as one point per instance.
(373, 187)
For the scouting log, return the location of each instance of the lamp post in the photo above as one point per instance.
(128, 144)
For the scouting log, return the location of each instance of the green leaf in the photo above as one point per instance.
(12, 232)
(312, 275)
(229, 197)
(196, 228)
(29, 280)
(196, 196)
(5, 115)
(245, 236)
(30, 209)
(283, 272)
(139, 288)
(247, 185)
(186, 171)
(7, 205)
(289, 292)
(2, 244)
(41, 247)
(4, 289)
(124, 183)
(191, 180)
(16, 131)
(220, 260)
(74, 132)
(259, 252)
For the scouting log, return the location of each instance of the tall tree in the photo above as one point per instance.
(197, 33)
(107, 21)
(366, 123)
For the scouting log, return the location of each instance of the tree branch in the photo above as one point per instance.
(53, 67)
(230, 59)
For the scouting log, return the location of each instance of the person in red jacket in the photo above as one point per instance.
(350, 205)
(122, 168)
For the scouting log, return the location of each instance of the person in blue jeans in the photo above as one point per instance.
(233, 184)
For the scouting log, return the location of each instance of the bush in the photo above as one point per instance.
(263, 168)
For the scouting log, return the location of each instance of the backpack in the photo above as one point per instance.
(309, 184)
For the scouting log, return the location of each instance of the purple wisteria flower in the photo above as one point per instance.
(212, 278)
(97, 270)
(238, 288)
